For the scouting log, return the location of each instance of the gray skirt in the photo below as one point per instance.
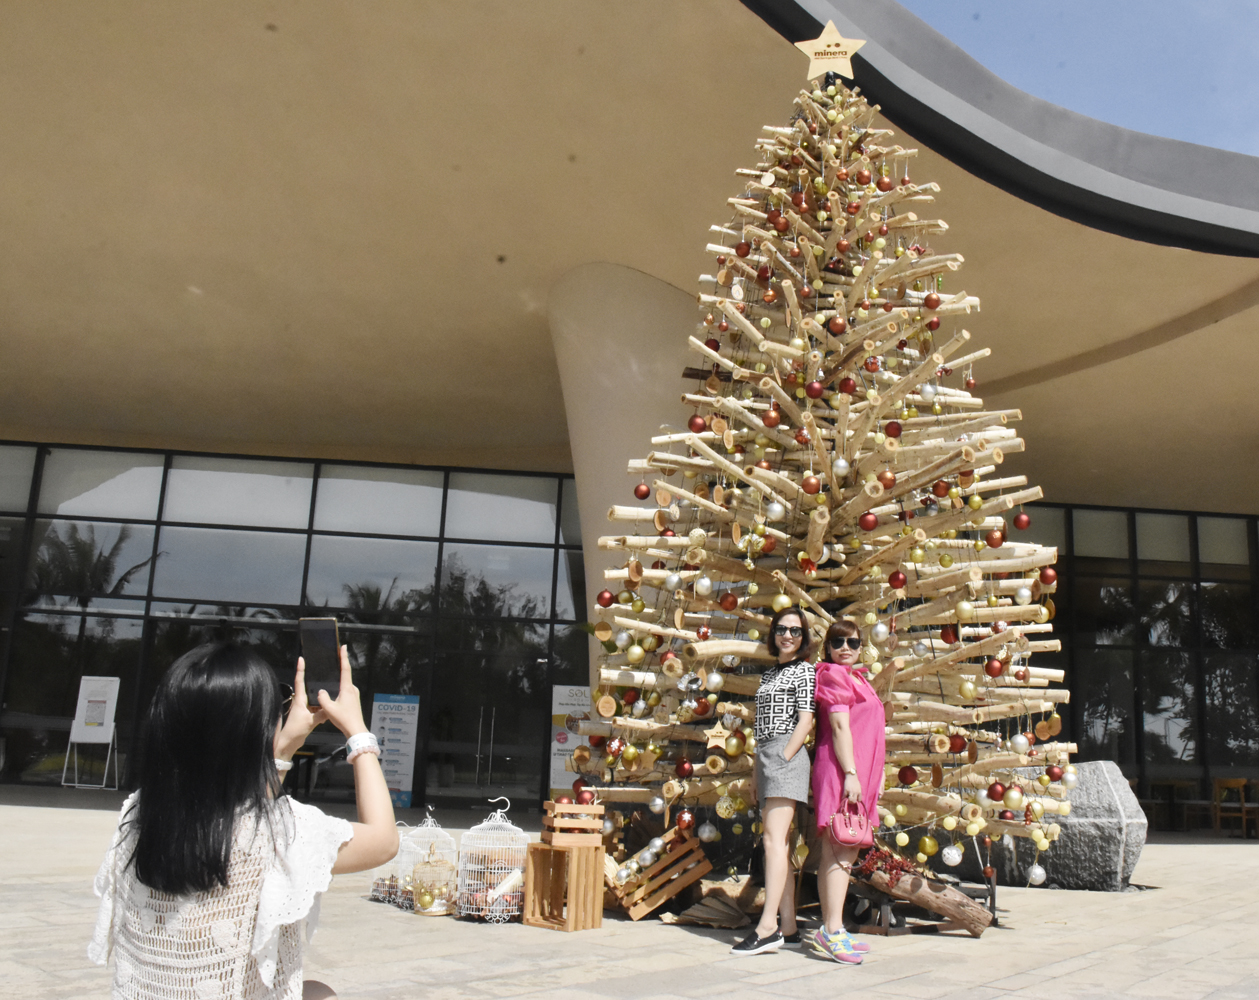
(777, 777)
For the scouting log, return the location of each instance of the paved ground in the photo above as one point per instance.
(1193, 936)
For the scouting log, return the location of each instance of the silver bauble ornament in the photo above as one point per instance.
(1036, 875)
(1023, 596)
(673, 581)
(951, 855)
(656, 804)
(775, 511)
(704, 586)
(879, 632)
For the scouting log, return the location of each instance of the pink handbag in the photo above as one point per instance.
(850, 826)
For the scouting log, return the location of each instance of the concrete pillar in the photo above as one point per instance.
(620, 344)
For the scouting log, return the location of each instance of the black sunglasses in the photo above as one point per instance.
(287, 699)
(795, 631)
(852, 642)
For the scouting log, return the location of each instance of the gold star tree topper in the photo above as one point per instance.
(830, 52)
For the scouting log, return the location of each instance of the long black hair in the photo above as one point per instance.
(205, 752)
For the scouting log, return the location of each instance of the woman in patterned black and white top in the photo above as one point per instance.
(784, 716)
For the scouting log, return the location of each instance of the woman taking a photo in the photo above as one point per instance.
(784, 716)
(212, 883)
(847, 775)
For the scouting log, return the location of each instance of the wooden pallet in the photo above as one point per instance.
(572, 825)
(563, 887)
(676, 869)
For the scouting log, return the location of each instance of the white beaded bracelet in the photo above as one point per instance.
(283, 765)
(361, 743)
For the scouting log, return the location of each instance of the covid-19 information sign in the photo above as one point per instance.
(396, 723)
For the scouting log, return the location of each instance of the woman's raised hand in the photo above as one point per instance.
(346, 712)
(300, 720)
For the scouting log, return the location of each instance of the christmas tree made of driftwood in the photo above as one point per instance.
(835, 458)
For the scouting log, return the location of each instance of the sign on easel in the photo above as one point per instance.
(94, 723)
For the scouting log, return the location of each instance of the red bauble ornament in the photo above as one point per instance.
(933, 323)
(867, 521)
(797, 199)
(989, 872)
(773, 215)
(713, 344)
(994, 539)
(969, 384)
(615, 746)
(605, 599)
(704, 633)
(1053, 772)
(940, 489)
(585, 797)
(887, 307)
(642, 491)
(996, 791)
(703, 707)
(770, 297)
(948, 634)
(729, 601)
(814, 389)
(802, 436)
(1048, 575)
(771, 543)
(1020, 675)
(579, 784)
(994, 667)
(782, 225)
(596, 741)
(723, 326)
(763, 272)
(763, 464)
(564, 800)
(907, 775)
(885, 184)
(853, 207)
(848, 385)
(957, 743)
(1006, 814)
(772, 417)
(896, 579)
(892, 429)
(683, 768)
(905, 181)
(863, 176)
(883, 229)
(743, 248)
(888, 478)
(932, 301)
(697, 424)
(1022, 520)
(837, 325)
(685, 820)
(811, 485)
(667, 533)
(872, 364)
(630, 696)
(843, 246)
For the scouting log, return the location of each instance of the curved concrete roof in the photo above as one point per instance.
(1136, 185)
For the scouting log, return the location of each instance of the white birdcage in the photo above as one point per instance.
(492, 869)
(427, 870)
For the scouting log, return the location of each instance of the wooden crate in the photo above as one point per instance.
(673, 872)
(564, 887)
(572, 825)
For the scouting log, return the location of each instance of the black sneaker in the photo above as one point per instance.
(754, 944)
(792, 939)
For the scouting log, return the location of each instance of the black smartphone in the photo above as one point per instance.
(321, 649)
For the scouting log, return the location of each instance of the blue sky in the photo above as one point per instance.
(1186, 70)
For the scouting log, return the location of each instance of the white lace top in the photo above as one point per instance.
(239, 942)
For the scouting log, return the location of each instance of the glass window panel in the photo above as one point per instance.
(1232, 709)
(1101, 534)
(239, 491)
(1171, 715)
(1223, 547)
(100, 484)
(91, 557)
(382, 577)
(17, 465)
(1048, 527)
(496, 581)
(570, 517)
(12, 531)
(570, 590)
(571, 659)
(1104, 612)
(50, 654)
(501, 508)
(1166, 611)
(379, 501)
(1163, 544)
(237, 567)
(1226, 612)
(1104, 683)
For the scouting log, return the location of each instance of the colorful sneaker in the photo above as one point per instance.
(860, 947)
(754, 944)
(836, 947)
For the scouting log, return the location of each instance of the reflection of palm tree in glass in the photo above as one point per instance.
(1166, 618)
(74, 565)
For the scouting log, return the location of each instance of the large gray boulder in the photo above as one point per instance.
(1098, 848)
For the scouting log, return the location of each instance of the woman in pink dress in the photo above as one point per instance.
(848, 765)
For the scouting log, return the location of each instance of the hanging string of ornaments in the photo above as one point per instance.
(836, 458)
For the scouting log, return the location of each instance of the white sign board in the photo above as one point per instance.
(566, 700)
(94, 713)
(396, 722)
